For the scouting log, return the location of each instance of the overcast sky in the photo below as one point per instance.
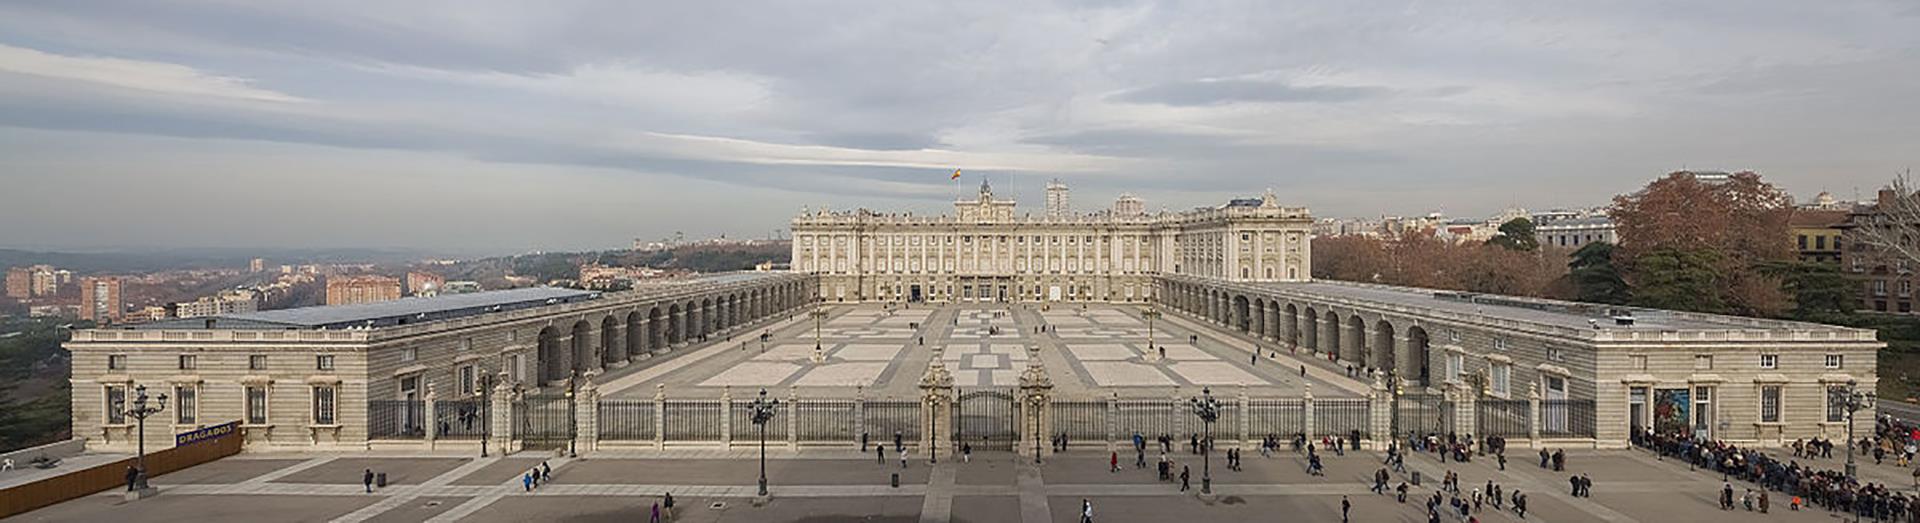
(577, 124)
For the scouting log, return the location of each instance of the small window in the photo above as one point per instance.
(1835, 361)
(1637, 361)
(1500, 344)
(257, 362)
(188, 362)
(116, 362)
(323, 362)
(466, 344)
(1769, 361)
(1703, 362)
(409, 354)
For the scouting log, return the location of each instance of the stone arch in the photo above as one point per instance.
(1291, 326)
(1259, 317)
(1241, 313)
(1383, 346)
(1416, 366)
(656, 328)
(676, 324)
(1332, 335)
(613, 347)
(583, 348)
(1310, 329)
(1357, 341)
(553, 356)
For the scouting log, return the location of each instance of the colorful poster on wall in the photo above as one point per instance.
(1670, 411)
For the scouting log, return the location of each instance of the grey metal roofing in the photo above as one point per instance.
(386, 313)
(1544, 312)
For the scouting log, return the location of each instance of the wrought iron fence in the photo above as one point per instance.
(1225, 428)
(626, 420)
(1342, 417)
(887, 417)
(1504, 418)
(1566, 418)
(1080, 420)
(745, 430)
(396, 419)
(1148, 418)
(543, 422)
(461, 419)
(691, 420)
(825, 420)
(1422, 414)
(1281, 418)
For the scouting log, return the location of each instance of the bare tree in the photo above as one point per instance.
(1889, 226)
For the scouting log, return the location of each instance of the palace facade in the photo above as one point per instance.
(984, 251)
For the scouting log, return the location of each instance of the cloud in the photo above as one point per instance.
(153, 77)
(1217, 92)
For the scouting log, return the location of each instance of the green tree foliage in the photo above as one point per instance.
(1684, 280)
(1595, 278)
(1820, 291)
(1517, 235)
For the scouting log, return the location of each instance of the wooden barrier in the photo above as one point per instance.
(22, 498)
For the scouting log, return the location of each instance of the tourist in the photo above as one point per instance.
(1345, 506)
(1113, 462)
(966, 453)
(133, 478)
(365, 479)
(526, 482)
(536, 476)
(880, 454)
(656, 513)
(903, 459)
(1086, 511)
(898, 444)
(546, 471)
(1184, 475)
(666, 502)
(1139, 458)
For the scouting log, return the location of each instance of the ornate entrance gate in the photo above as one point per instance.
(1422, 414)
(986, 419)
(543, 422)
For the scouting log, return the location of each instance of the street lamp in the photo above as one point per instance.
(573, 425)
(1150, 314)
(1034, 402)
(139, 412)
(486, 422)
(763, 410)
(1854, 401)
(1209, 411)
(818, 314)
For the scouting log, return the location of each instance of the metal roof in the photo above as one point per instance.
(387, 313)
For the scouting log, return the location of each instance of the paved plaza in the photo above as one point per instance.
(712, 485)
(1091, 351)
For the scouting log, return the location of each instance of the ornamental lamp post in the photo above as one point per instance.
(818, 314)
(573, 425)
(1034, 402)
(486, 422)
(1855, 401)
(763, 410)
(1150, 314)
(1209, 411)
(139, 412)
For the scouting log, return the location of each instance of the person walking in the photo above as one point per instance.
(966, 453)
(899, 445)
(366, 480)
(536, 476)
(526, 482)
(903, 459)
(666, 502)
(546, 471)
(1345, 507)
(1185, 473)
(1113, 462)
(880, 454)
(133, 477)
(1139, 458)
(656, 513)
(1086, 511)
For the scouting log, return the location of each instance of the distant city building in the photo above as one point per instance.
(257, 265)
(1886, 279)
(149, 313)
(460, 287)
(348, 290)
(46, 281)
(19, 283)
(1826, 202)
(1817, 233)
(100, 299)
(1058, 206)
(1708, 176)
(1576, 232)
(239, 301)
(424, 283)
(604, 277)
(49, 311)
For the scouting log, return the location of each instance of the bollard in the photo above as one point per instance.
(380, 480)
(1416, 478)
(896, 480)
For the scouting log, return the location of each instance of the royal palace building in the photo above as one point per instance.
(984, 251)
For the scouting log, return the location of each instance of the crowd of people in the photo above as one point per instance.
(1803, 484)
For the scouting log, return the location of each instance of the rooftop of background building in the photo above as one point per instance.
(383, 314)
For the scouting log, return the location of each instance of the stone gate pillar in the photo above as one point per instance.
(1380, 413)
(1533, 415)
(660, 416)
(936, 410)
(500, 415)
(1306, 411)
(1036, 396)
(432, 422)
(793, 418)
(726, 417)
(586, 415)
(1244, 422)
(1463, 409)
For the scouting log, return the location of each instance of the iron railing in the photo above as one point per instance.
(396, 419)
(626, 420)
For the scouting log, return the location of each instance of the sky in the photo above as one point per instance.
(583, 124)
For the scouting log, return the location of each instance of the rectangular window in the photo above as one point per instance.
(116, 405)
(466, 344)
(466, 379)
(1500, 344)
(257, 362)
(1455, 365)
(1836, 404)
(1637, 361)
(323, 396)
(256, 406)
(1502, 378)
(323, 362)
(185, 401)
(1769, 361)
(409, 354)
(1703, 362)
(1835, 361)
(187, 362)
(116, 362)
(1703, 411)
(1770, 404)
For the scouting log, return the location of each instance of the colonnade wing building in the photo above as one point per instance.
(313, 376)
(1246, 266)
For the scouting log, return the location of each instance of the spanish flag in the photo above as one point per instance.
(956, 175)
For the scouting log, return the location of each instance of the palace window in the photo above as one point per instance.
(256, 405)
(1835, 361)
(1770, 404)
(323, 402)
(409, 354)
(188, 362)
(116, 405)
(257, 362)
(1836, 404)
(1769, 361)
(185, 404)
(466, 379)
(116, 362)
(1703, 362)
(1502, 378)
(323, 362)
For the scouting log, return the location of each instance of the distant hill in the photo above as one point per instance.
(177, 259)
